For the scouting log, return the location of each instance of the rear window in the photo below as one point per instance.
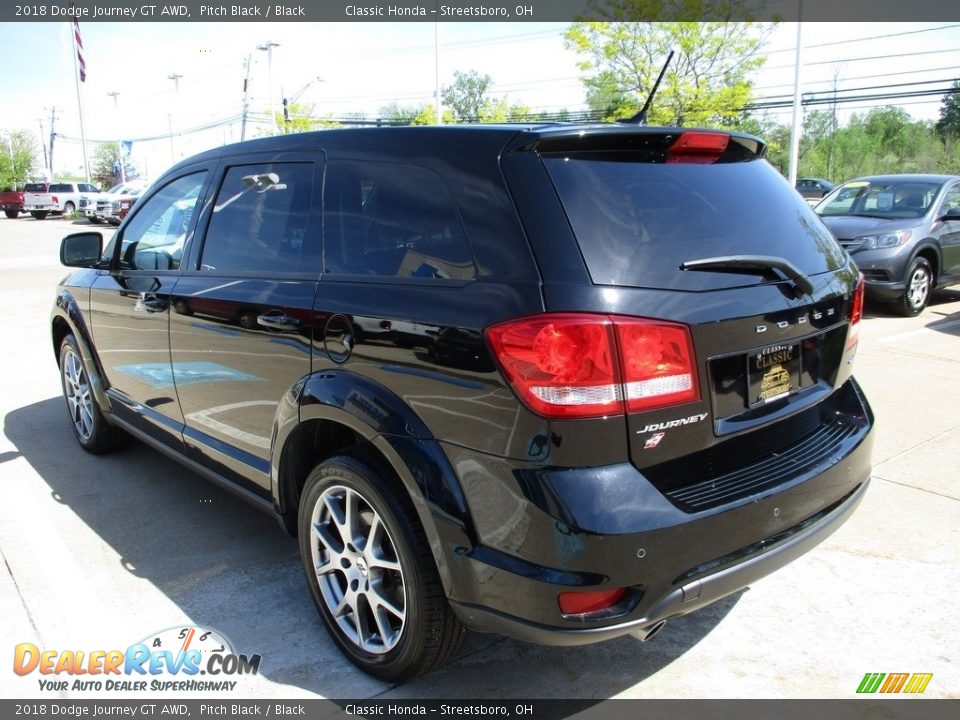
(35, 187)
(637, 222)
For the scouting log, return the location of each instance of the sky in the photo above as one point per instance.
(360, 67)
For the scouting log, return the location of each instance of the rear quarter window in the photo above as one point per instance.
(392, 220)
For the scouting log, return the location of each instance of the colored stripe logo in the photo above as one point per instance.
(912, 683)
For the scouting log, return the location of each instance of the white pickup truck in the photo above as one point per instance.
(59, 198)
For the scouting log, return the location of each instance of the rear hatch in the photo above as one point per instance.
(695, 228)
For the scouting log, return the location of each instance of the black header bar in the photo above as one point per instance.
(479, 10)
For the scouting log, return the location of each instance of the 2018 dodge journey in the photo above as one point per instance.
(559, 382)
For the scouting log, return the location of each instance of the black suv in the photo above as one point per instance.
(556, 382)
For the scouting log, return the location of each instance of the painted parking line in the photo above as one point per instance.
(920, 331)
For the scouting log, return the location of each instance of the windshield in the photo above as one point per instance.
(637, 222)
(880, 198)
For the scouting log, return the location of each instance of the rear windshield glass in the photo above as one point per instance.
(637, 222)
(34, 187)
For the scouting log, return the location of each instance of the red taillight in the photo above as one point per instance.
(701, 148)
(561, 365)
(856, 313)
(54, 200)
(588, 601)
(576, 365)
(657, 361)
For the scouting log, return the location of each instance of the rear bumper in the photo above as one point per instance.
(682, 600)
(544, 532)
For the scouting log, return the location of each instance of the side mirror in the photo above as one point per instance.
(81, 249)
(951, 214)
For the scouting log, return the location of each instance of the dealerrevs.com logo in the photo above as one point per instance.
(172, 659)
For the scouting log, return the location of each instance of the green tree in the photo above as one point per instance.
(949, 123)
(401, 114)
(106, 165)
(465, 97)
(707, 83)
(298, 118)
(18, 157)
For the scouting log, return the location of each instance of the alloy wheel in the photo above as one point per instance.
(76, 389)
(919, 287)
(358, 570)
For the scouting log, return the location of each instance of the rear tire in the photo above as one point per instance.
(93, 432)
(69, 208)
(918, 288)
(39, 214)
(12, 214)
(371, 572)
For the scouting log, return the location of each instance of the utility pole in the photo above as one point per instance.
(53, 135)
(43, 144)
(246, 100)
(795, 132)
(176, 92)
(437, 103)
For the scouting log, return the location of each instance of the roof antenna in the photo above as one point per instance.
(641, 117)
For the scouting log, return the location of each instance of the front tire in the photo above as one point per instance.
(371, 572)
(93, 432)
(918, 288)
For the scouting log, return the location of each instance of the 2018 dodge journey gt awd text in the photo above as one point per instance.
(559, 382)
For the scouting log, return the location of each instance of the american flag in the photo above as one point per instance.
(81, 63)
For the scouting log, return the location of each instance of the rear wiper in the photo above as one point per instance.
(753, 263)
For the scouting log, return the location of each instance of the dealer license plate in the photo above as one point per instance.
(773, 372)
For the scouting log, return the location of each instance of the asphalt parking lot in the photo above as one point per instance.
(102, 552)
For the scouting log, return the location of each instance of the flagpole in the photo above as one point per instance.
(76, 80)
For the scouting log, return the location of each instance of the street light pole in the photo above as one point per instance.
(269, 45)
(123, 172)
(176, 91)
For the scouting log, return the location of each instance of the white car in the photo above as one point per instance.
(101, 210)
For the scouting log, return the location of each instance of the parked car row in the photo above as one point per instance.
(42, 199)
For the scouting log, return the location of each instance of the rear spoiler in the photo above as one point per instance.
(649, 144)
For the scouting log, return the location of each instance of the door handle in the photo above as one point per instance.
(278, 320)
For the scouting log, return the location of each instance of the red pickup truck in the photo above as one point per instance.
(11, 201)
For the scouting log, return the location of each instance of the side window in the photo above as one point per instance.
(259, 221)
(951, 200)
(392, 220)
(155, 237)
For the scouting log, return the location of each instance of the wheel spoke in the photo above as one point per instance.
(382, 563)
(355, 563)
(380, 600)
(329, 542)
(383, 625)
(350, 529)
